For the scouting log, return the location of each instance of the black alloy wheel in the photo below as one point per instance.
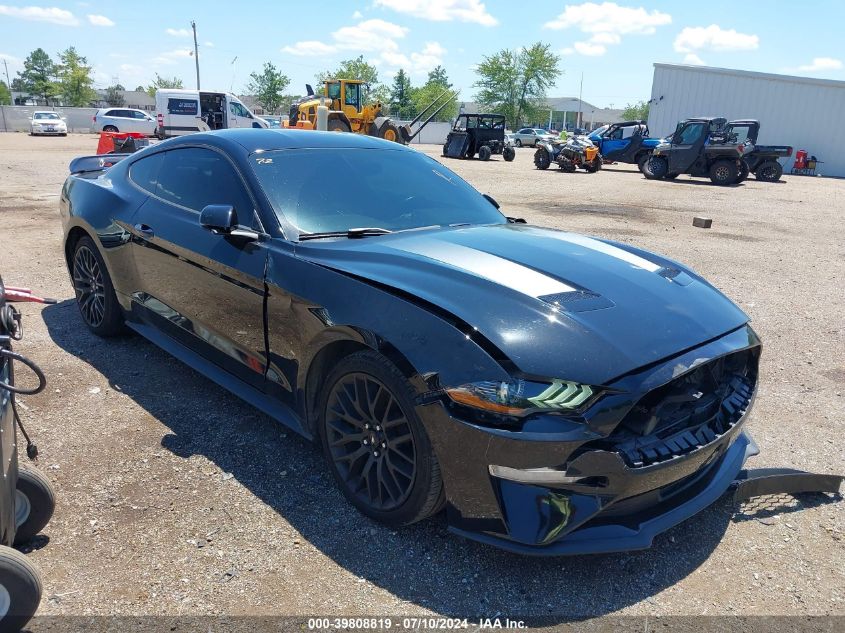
(656, 168)
(370, 441)
(89, 286)
(723, 173)
(94, 290)
(770, 171)
(377, 448)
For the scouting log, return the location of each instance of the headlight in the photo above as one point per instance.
(519, 397)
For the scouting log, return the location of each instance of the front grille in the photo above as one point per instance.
(687, 413)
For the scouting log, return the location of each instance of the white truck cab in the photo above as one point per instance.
(181, 112)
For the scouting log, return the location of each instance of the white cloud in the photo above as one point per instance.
(589, 49)
(171, 57)
(693, 59)
(606, 23)
(99, 20)
(178, 32)
(357, 15)
(208, 44)
(567, 51)
(442, 10)
(430, 57)
(368, 36)
(820, 64)
(609, 17)
(714, 38)
(53, 15)
(309, 48)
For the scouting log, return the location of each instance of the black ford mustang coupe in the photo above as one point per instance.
(555, 393)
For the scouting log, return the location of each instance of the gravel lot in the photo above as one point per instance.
(177, 498)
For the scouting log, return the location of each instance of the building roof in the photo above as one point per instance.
(833, 83)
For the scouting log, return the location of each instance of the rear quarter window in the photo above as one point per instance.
(182, 106)
(144, 172)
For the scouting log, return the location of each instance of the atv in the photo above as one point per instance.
(626, 142)
(478, 134)
(762, 160)
(575, 152)
(700, 146)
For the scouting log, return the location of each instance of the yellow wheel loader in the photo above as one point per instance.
(347, 112)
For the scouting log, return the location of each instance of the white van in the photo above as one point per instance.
(181, 112)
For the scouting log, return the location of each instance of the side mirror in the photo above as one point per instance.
(220, 218)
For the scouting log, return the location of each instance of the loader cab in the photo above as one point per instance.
(346, 95)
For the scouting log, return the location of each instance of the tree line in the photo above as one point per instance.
(510, 82)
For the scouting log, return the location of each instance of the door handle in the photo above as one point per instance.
(145, 230)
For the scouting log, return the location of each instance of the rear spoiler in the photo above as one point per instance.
(99, 162)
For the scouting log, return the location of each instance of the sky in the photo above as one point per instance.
(612, 44)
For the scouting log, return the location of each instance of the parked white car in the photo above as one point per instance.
(529, 136)
(46, 122)
(124, 120)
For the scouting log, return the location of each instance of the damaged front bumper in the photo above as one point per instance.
(561, 487)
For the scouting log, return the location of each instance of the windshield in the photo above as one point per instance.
(335, 189)
(46, 115)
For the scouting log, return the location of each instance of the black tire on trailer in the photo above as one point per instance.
(337, 125)
(95, 295)
(743, 171)
(377, 448)
(723, 172)
(657, 168)
(769, 171)
(35, 502)
(484, 152)
(509, 153)
(542, 160)
(20, 590)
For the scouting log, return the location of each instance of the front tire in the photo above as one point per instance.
(770, 171)
(509, 153)
(376, 446)
(20, 590)
(484, 152)
(35, 502)
(110, 128)
(642, 162)
(336, 125)
(723, 173)
(389, 132)
(95, 296)
(518, 143)
(657, 168)
(542, 160)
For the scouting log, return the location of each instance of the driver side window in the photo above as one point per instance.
(352, 95)
(690, 134)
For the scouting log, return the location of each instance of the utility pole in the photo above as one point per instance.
(8, 81)
(580, 94)
(196, 52)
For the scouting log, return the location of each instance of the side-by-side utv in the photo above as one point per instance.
(478, 134)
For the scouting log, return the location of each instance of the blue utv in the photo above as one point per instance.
(625, 142)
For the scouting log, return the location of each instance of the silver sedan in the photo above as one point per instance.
(528, 137)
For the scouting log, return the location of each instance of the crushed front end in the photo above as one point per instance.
(653, 448)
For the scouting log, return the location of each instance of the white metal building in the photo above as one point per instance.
(799, 111)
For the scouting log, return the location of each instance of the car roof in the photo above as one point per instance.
(45, 112)
(254, 139)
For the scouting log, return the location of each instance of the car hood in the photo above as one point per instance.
(556, 304)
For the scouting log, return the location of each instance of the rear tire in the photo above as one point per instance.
(509, 153)
(518, 143)
(337, 125)
(20, 590)
(35, 502)
(484, 152)
(389, 132)
(542, 160)
(657, 168)
(594, 165)
(723, 173)
(376, 444)
(95, 295)
(110, 128)
(770, 171)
